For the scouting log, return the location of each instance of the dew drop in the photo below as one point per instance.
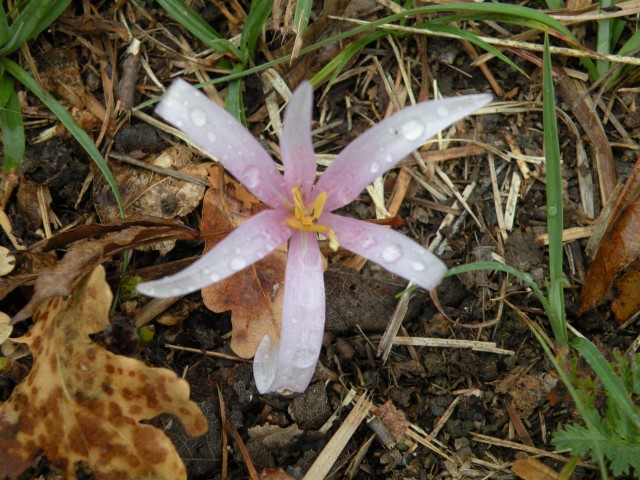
(374, 167)
(238, 263)
(214, 277)
(391, 253)
(552, 211)
(388, 158)
(211, 137)
(368, 242)
(412, 129)
(251, 177)
(179, 123)
(443, 112)
(418, 266)
(304, 358)
(175, 291)
(198, 117)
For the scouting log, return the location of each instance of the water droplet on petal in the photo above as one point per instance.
(175, 291)
(443, 112)
(418, 266)
(179, 123)
(344, 195)
(238, 264)
(388, 158)
(304, 358)
(214, 277)
(391, 253)
(413, 129)
(251, 177)
(211, 137)
(368, 242)
(293, 320)
(198, 117)
(374, 167)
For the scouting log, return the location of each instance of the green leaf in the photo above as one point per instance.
(252, 29)
(233, 101)
(576, 438)
(33, 19)
(612, 383)
(67, 120)
(554, 199)
(11, 125)
(185, 16)
(301, 17)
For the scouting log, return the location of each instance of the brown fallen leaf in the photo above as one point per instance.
(619, 246)
(627, 302)
(533, 469)
(255, 294)
(82, 403)
(84, 256)
(394, 419)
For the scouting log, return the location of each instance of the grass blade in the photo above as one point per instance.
(554, 200)
(67, 120)
(608, 377)
(12, 126)
(256, 18)
(185, 16)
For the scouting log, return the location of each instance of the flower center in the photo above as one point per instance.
(305, 217)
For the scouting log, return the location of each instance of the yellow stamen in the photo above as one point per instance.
(305, 218)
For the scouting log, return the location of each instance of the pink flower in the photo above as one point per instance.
(300, 211)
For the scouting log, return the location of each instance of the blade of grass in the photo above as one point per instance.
(608, 377)
(252, 29)
(604, 37)
(33, 19)
(233, 101)
(185, 16)
(12, 126)
(554, 200)
(4, 25)
(586, 413)
(67, 120)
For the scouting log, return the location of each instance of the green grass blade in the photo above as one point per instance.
(605, 373)
(11, 125)
(256, 18)
(474, 39)
(336, 64)
(301, 17)
(233, 101)
(33, 19)
(554, 4)
(555, 224)
(185, 16)
(586, 413)
(4, 25)
(67, 120)
(604, 38)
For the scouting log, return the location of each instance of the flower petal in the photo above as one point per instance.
(381, 147)
(223, 137)
(290, 368)
(296, 146)
(389, 249)
(251, 241)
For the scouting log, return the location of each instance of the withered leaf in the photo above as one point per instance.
(619, 246)
(82, 403)
(255, 294)
(84, 256)
(628, 300)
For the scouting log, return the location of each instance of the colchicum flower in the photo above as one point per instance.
(301, 210)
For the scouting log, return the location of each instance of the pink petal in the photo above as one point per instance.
(224, 138)
(290, 368)
(251, 241)
(381, 147)
(387, 248)
(296, 146)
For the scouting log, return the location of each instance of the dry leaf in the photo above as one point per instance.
(628, 300)
(7, 261)
(82, 403)
(5, 327)
(533, 469)
(84, 256)
(619, 246)
(255, 294)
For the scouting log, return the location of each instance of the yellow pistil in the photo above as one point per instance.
(305, 218)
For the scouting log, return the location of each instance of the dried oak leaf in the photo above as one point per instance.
(619, 246)
(82, 403)
(255, 294)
